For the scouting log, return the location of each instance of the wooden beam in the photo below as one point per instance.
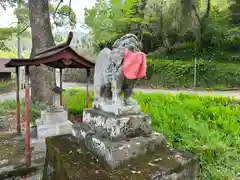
(27, 126)
(18, 102)
(87, 89)
(61, 97)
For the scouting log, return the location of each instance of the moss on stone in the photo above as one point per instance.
(18, 173)
(68, 159)
(9, 147)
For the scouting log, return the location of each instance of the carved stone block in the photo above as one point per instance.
(117, 127)
(120, 109)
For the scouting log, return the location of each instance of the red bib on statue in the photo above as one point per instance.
(134, 65)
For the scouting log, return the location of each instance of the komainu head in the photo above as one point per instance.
(129, 41)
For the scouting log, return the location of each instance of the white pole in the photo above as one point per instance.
(18, 37)
(19, 3)
(195, 73)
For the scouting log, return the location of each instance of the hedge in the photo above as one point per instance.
(206, 126)
(180, 74)
(6, 87)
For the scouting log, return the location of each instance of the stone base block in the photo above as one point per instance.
(64, 128)
(52, 117)
(44, 131)
(39, 145)
(117, 127)
(68, 159)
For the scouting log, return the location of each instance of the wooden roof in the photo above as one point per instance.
(3, 68)
(60, 56)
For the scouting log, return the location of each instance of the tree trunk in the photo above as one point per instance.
(235, 12)
(42, 77)
(202, 22)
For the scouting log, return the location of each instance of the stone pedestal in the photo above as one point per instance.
(67, 158)
(53, 123)
(117, 139)
(120, 140)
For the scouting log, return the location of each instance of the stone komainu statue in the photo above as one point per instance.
(109, 80)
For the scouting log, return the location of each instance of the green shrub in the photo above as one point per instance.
(6, 87)
(179, 74)
(75, 100)
(206, 126)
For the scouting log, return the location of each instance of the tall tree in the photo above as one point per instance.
(42, 77)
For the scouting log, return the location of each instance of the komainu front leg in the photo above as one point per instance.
(115, 92)
(97, 98)
(116, 88)
(127, 91)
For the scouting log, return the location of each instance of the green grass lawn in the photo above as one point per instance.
(206, 126)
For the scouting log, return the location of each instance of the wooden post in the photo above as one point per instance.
(87, 89)
(27, 128)
(17, 102)
(61, 97)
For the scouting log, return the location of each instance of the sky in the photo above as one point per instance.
(7, 17)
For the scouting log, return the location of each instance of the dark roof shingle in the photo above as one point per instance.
(54, 57)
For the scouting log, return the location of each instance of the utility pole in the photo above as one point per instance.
(19, 47)
(17, 75)
(19, 6)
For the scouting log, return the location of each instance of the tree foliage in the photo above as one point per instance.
(62, 16)
(4, 3)
(5, 34)
(161, 24)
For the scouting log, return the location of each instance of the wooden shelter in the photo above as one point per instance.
(5, 73)
(60, 56)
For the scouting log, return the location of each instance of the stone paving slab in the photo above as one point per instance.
(12, 153)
